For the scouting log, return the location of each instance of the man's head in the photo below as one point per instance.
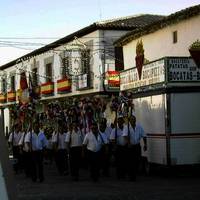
(94, 127)
(75, 125)
(120, 122)
(132, 120)
(36, 128)
(102, 124)
(70, 127)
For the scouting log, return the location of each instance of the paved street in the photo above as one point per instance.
(155, 187)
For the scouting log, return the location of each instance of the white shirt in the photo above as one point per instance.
(49, 143)
(60, 140)
(15, 138)
(120, 139)
(38, 141)
(135, 134)
(75, 138)
(22, 142)
(85, 130)
(104, 137)
(93, 144)
(108, 132)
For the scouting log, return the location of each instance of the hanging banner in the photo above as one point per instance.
(83, 82)
(47, 88)
(112, 81)
(63, 85)
(3, 98)
(11, 96)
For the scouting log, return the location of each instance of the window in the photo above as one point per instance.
(35, 76)
(12, 83)
(119, 61)
(175, 37)
(49, 72)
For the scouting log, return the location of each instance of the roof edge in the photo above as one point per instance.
(173, 18)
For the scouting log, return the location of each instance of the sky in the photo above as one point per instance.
(43, 21)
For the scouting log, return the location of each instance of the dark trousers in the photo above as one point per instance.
(16, 156)
(120, 159)
(94, 164)
(75, 160)
(61, 161)
(134, 156)
(26, 162)
(105, 161)
(37, 165)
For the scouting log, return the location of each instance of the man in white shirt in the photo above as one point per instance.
(133, 133)
(58, 140)
(119, 148)
(93, 143)
(25, 155)
(105, 154)
(13, 141)
(37, 142)
(74, 140)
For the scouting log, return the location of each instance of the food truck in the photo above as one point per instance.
(167, 105)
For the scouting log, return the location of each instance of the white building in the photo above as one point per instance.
(73, 65)
(165, 82)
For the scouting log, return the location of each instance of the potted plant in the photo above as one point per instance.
(194, 50)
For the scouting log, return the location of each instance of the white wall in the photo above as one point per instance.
(160, 43)
(185, 116)
(101, 50)
(150, 113)
(102, 53)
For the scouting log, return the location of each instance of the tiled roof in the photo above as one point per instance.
(124, 23)
(130, 21)
(166, 21)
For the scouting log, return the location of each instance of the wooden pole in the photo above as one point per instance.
(7, 182)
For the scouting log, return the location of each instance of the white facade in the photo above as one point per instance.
(100, 44)
(160, 43)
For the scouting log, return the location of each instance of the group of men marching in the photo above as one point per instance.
(74, 147)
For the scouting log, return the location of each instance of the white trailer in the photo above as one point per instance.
(167, 104)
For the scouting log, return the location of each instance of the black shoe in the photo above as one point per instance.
(66, 173)
(41, 180)
(132, 179)
(75, 179)
(95, 180)
(34, 180)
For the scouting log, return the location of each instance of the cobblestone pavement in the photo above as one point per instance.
(154, 187)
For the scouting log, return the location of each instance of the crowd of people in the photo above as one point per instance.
(71, 146)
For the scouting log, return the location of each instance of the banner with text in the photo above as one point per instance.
(182, 70)
(152, 73)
